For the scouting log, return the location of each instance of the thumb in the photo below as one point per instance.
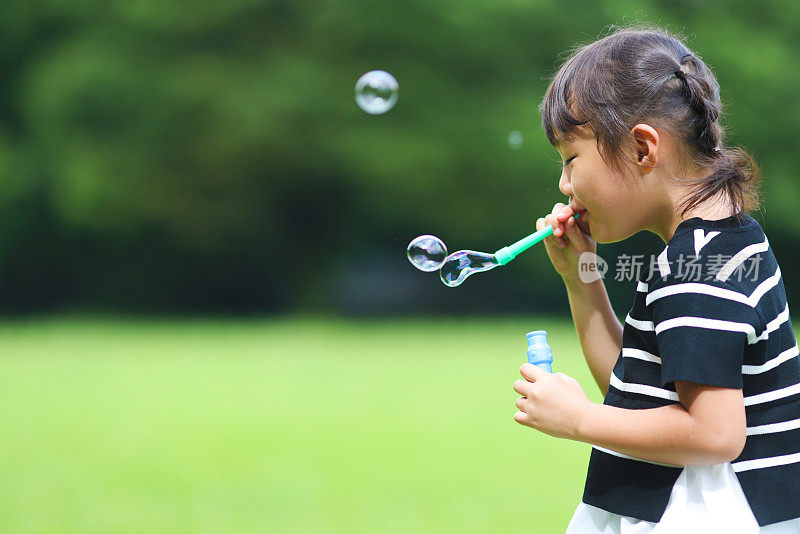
(531, 372)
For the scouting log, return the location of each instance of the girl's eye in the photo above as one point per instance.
(569, 161)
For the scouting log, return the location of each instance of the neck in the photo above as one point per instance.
(712, 209)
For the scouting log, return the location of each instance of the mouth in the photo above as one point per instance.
(583, 220)
(576, 207)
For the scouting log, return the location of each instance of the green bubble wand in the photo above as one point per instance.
(428, 252)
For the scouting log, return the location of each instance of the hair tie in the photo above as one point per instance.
(680, 73)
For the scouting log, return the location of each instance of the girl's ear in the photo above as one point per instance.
(647, 144)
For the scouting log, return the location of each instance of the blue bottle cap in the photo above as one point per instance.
(537, 335)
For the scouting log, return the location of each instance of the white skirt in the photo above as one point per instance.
(705, 498)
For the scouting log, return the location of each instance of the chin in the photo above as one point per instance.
(603, 240)
(592, 230)
(600, 235)
(613, 237)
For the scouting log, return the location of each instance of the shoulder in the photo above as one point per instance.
(717, 269)
(713, 251)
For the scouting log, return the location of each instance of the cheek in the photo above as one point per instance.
(603, 199)
(581, 190)
(588, 195)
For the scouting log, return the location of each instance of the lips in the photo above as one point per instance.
(576, 206)
(582, 222)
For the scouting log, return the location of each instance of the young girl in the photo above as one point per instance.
(700, 427)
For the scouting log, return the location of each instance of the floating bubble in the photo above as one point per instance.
(426, 253)
(459, 265)
(515, 139)
(376, 92)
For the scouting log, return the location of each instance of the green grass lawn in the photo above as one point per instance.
(279, 426)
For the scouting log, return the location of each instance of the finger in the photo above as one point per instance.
(521, 417)
(532, 373)
(520, 403)
(558, 228)
(549, 221)
(565, 214)
(573, 232)
(521, 387)
(540, 223)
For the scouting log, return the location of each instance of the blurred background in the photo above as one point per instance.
(210, 324)
(173, 157)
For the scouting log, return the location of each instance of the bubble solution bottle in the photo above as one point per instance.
(539, 352)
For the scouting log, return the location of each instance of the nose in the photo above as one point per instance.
(564, 184)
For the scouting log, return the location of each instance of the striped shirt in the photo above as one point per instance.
(711, 309)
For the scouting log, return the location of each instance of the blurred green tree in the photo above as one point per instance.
(181, 156)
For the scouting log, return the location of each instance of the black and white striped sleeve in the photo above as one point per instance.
(702, 330)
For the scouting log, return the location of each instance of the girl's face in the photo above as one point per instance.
(615, 204)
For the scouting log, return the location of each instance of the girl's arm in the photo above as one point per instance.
(599, 330)
(708, 427)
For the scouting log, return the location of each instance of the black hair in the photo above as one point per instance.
(645, 74)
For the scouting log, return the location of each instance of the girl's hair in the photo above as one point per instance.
(643, 74)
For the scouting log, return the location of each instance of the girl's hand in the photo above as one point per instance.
(568, 241)
(554, 404)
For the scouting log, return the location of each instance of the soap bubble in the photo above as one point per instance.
(515, 139)
(426, 252)
(376, 92)
(459, 265)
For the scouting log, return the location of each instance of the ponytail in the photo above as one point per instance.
(734, 171)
